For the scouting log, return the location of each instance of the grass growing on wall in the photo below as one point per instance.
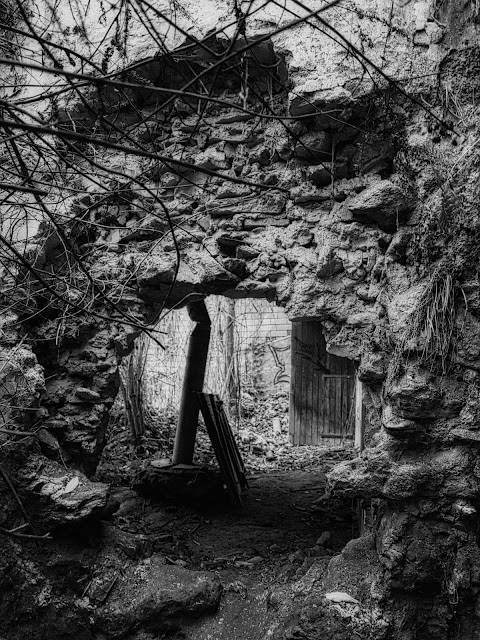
(446, 253)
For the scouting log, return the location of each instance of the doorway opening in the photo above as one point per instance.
(325, 393)
(285, 527)
(287, 400)
(274, 376)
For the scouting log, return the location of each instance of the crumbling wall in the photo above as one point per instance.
(361, 213)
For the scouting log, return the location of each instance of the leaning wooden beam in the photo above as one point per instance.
(226, 450)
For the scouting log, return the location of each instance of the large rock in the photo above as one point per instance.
(155, 597)
(396, 425)
(150, 228)
(56, 499)
(372, 367)
(418, 395)
(384, 203)
(376, 475)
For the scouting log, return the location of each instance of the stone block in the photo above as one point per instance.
(247, 253)
(372, 367)
(87, 395)
(304, 237)
(265, 205)
(419, 395)
(150, 228)
(264, 221)
(53, 502)
(322, 104)
(235, 266)
(384, 203)
(314, 147)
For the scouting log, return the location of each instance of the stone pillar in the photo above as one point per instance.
(193, 382)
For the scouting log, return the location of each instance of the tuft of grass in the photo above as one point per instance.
(446, 251)
(434, 323)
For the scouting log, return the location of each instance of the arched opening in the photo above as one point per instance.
(279, 386)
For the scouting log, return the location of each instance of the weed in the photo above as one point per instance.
(445, 251)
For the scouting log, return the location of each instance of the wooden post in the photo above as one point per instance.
(193, 381)
(358, 415)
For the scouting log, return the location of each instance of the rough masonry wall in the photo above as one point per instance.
(361, 213)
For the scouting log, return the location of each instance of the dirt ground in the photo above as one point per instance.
(283, 528)
(85, 581)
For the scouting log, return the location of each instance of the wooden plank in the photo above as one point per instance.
(337, 415)
(358, 441)
(327, 428)
(229, 439)
(314, 385)
(333, 417)
(232, 469)
(293, 386)
(215, 404)
(307, 384)
(340, 401)
(295, 365)
(307, 368)
(316, 408)
(345, 400)
(302, 426)
(338, 376)
(320, 349)
(299, 392)
(297, 383)
(298, 404)
(232, 474)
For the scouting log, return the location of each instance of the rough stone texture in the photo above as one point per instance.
(383, 203)
(155, 597)
(337, 242)
(42, 485)
(21, 387)
(303, 610)
(54, 507)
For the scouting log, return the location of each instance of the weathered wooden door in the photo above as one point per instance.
(322, 390)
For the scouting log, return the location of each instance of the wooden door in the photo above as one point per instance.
(322, 390)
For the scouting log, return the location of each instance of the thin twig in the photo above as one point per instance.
(12, 432)
(11, 533)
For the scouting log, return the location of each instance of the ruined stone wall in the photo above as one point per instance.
(361, 213)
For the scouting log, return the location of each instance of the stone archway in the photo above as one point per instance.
(324, 222)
